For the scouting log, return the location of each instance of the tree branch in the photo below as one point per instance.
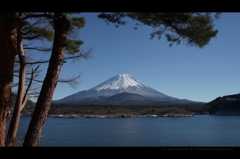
(32, 37)
(82, 54)
(46, 14)
(71, 81)
(38, 48)
(29, 85)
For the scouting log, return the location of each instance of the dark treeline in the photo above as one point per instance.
(128, 109)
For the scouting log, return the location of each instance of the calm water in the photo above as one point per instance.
(200, 130)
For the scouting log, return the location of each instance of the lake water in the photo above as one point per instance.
(199, 130)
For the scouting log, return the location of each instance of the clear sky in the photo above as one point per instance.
(178, 71)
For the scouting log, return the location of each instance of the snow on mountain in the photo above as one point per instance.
(121, 81)
(115, 85)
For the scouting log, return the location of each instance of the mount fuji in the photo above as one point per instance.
(122, 88)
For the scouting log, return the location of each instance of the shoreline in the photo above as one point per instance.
(124, 116)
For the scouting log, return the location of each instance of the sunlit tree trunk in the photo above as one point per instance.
(8, 44)
(12, 131)
(33, 135)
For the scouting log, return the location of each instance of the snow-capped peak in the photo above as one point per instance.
(120, 81)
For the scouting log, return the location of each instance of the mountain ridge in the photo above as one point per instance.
(115, 85)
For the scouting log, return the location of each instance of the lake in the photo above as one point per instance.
(199, 130)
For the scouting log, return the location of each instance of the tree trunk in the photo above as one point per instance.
(25, 98)
(12, 131)
(61, 26)
(8, 43)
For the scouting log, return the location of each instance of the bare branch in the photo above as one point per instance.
(29, 85)
(46, 14)
(32, 37)
(38, 48)
(27, 44)
(71, 81)
(82, 54)
(36, 62)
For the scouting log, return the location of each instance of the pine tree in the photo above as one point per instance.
(62, 26)
(190, 28)
(8, 43)
(36, 31)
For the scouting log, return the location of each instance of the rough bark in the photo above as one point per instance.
(8, 43)
(33, 135)
(12, 131)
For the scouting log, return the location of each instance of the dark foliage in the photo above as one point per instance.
(225, 105)
(190, 28)
(128, 109)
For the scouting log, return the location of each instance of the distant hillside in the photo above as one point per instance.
(27, 110)
(226, 105)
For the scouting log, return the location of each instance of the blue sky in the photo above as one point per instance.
(178, 71)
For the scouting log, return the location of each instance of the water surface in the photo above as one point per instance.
(199, 130)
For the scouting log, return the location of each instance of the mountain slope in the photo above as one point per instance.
(125, 98)
(118, 84)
